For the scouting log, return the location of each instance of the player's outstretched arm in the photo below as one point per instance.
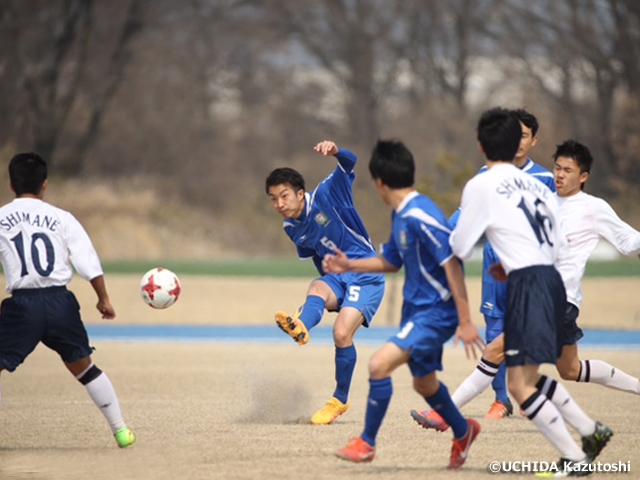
(340, 263)
(326, 148)
(104, 304)
(466, 331)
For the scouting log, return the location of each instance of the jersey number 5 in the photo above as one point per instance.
(540, 223)
(37, 238)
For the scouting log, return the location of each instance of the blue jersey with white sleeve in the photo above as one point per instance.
(329, 219)
(419, 240)
(494, 293)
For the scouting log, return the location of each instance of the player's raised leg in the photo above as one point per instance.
(570, 367)
(297, 326)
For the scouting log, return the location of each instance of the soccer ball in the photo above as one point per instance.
(160, 288)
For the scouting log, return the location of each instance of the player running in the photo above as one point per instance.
(521, 218)
(435, 303)
(493, 305)
(39, 243)
(585, 219)
(318, 222)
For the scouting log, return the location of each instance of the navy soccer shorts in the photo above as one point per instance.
(571, 332)
(48, 315)
(536, 303)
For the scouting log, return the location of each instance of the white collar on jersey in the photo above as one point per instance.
(407, 199)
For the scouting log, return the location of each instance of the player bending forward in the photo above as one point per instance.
(38, 245)
(317, 222)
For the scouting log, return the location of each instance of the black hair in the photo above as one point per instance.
(282, 176)
(499, 132)
(27, 172)
(392, 163)
(528, 119)
(578, 152)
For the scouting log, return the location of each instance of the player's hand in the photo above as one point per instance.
(337, 263)
(497, 272)
(467, 333)
(326, 148)
(106, 309)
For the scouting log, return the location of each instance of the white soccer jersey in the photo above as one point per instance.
(518, 213)
(584, 219)
(39, 243)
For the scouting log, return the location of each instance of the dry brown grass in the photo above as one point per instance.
(215, 411)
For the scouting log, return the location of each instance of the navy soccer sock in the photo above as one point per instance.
(441, 402)
(380, 392)
(345, 364)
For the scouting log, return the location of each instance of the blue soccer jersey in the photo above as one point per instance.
(494, 293)
(419, 240)
(329, 218)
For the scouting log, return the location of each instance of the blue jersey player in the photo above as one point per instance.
(435, 303)
(318, 222)
(491, 369)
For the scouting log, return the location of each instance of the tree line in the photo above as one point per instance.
(205, 97)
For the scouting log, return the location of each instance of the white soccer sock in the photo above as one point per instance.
(104, 396)
(476, 383)
(571, 412)
(546, 417)
(597, 371)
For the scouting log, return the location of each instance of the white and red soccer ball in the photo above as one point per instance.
(160, 288)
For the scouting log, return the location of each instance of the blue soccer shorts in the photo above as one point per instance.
(423, 333)
(361, 291)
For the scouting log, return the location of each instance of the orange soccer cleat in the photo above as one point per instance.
(460, 447)
(357, 451)
(430, 419)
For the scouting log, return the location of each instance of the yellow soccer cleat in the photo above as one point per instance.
(293, 327)
(125, 437)
(327, 414)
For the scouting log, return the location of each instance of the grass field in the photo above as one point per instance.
(293, 267)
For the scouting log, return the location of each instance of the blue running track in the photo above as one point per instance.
(264, 334)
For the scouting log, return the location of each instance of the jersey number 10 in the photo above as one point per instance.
(35, 254)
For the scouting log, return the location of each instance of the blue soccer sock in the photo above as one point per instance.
(441, 402)
(380, 392)
(312, 311)
(499, 384)
(345, 364)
